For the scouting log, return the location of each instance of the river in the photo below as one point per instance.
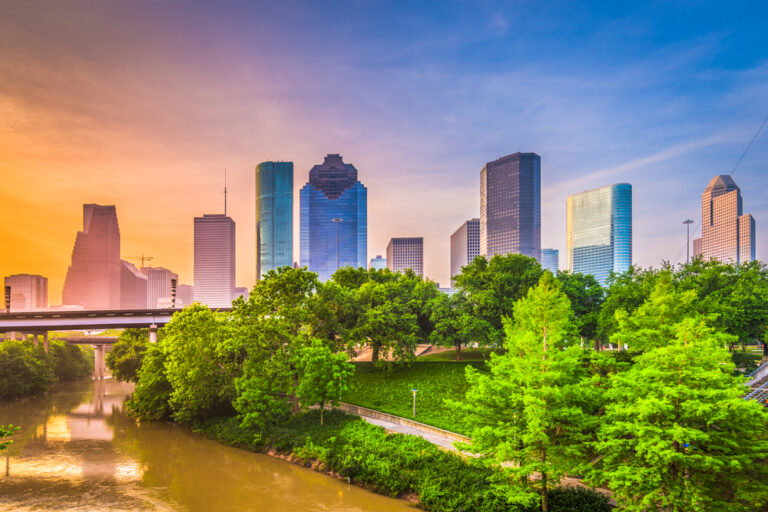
(79, 450)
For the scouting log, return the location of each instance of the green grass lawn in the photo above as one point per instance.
(390, 391)
(472, 354)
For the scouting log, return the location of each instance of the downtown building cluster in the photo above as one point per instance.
(333, 227)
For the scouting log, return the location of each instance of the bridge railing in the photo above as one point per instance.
(759, 373)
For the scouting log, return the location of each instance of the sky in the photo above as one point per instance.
(144, 104)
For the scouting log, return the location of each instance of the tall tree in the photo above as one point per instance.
(124, 360)
(626, 291)
(586, 296)
(455, 324)
(678, 435)
(534, 408)
(323, 376)
(494, 286)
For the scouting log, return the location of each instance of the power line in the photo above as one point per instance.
(749, 145)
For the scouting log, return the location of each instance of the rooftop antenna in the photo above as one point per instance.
(225, 191)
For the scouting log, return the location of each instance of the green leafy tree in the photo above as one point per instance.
(70, 362)
(201, 364)
(493, 287)
(455, 324)
(25, 369)
(627, 292)
(651, 325)
(586, 296)
(5, 432)
(386, 320)
(152, 395)
(323, 376)
(124, 360)
(678, 435)
(533, 411)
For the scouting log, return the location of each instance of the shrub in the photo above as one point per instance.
(578, 499)
(70, 362)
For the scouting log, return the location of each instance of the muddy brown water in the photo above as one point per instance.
(79, 450)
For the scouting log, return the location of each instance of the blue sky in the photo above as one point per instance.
(417, 95)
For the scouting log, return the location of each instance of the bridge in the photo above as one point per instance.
(40, 323)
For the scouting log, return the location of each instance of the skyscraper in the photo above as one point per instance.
(185, 295)
(274, 216)
(599, 231)
(93, 277)
(133, 287)
(378, 263)
(214, 260)
(159, 286)
(550, 260)
(510, 206)
(727, 234)
(28, 291)
(334, 218)
(405, 253)
(465, 246)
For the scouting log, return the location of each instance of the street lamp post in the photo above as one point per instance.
(414, 401)
(337, 221)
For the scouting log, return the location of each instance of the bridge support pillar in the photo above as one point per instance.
(98, 362)
(45, 341)
(153, 333)
(34, 339)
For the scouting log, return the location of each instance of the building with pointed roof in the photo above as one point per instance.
(727, 234)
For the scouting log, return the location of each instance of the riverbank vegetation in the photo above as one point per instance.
(26, 369)
(667, 410)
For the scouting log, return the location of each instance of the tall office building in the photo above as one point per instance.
(159, 286)
(599, 231)
(405, 253)
(510, 206)
(214, 260)
(465, 246)
(274, 216)
(727, 234)
(185, 295)
(550, 260)
(133, 287)
(378, 263)
(334, 218)
(28, 291)
(93, 277)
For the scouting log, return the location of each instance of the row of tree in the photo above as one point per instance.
(665, 428)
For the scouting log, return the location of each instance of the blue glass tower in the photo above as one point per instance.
(599, 231)
(334, 218)
(274, 216)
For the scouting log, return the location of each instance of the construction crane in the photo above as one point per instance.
(141, 258)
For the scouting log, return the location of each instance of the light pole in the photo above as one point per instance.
(687, 223)
(414, 390)
(337, 221)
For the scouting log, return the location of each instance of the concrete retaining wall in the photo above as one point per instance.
(378, 415)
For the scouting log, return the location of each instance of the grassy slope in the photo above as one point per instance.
(471, 354)
(390, 391)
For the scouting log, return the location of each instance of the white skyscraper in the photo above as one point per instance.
(465, 246)
(405, 253)
(28, 292)
(214, 260)
(158, 286)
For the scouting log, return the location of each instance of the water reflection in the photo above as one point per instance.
(78, 450)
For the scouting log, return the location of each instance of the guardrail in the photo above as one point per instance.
(760, 373)
(760, 394)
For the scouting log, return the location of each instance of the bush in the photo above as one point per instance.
(25, 369)
(124, 360)
(70, 362)
(150, 398)
(578, 499)
(745, 360)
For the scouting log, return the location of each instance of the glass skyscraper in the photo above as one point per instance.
(550, 260)
(510, 206)
(334, 218)
(599, 231)
(274, 216)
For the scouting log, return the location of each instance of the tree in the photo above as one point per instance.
(625, 291)
(534, 408)
(652, 324)
(25, 369)
(6, 431)
(678, 435)
(124, 360)
(455, 324)
(323, 376)
(151, 397)
(201, 363)
(586, 296)
(385, 319)
(493, 287)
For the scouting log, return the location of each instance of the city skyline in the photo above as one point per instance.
(86, 122)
